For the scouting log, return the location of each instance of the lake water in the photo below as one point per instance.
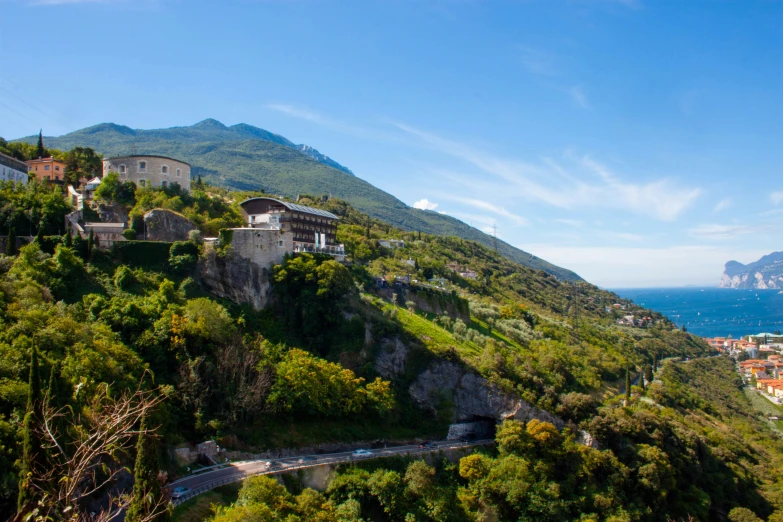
(714, 312)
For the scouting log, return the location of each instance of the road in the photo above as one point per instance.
(203, 482)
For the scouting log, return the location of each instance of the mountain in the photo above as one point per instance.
(249, 158)
(767, 272)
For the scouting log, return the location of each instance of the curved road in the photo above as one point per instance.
(203, 482)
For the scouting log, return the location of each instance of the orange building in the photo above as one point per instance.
(47, 169)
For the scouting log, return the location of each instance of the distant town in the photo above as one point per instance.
(759, 361)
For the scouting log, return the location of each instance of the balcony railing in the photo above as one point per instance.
(311, 248)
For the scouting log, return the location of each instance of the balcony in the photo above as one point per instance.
(337, 251)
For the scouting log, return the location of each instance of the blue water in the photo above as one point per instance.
(714, 312)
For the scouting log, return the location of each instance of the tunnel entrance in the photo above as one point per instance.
(477, 428)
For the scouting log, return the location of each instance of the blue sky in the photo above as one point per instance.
(637, 142)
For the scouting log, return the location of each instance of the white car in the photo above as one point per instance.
(362, 454)
(179, 492)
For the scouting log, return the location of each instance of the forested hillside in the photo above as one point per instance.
(339, 358)
(243, 157)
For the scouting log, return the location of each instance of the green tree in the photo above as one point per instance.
(10, 246)
(33, 459)
(114, 190)
(81, 162)
(648, 373)
(627, 384)
(90, 245)
(741, 514)
(40, 150)
(147, 498)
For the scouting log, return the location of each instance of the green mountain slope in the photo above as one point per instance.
(248, 158)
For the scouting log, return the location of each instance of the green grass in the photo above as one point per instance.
(200, 508)
(437, 340)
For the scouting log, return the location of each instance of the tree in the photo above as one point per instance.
(69, 238)
(114, 190)
(410, 305)
(627, 384)
(81, 162)
(641, 379)
(40, 151)
(10, 246)
(87, 459)
(648, 373)
(741, 514)
(147, 499)
(90, 245)
(31, 463)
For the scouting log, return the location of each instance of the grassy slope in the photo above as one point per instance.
(243, 157)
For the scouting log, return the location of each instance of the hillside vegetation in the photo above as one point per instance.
(243, 157)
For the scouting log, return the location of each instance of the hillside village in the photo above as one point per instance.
(226, 297)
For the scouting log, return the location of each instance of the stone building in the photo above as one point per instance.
(314, 230)
(149, 170)
(11, 169)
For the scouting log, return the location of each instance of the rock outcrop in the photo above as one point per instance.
(765, 273)
(471, 396)
(391, 359)
(166, 225)
(235, 278)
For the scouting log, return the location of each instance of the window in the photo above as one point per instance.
(142, 165)
(179, 173)
(56, 167)
(164, 184)
(279, 242)
(142, 183)
(122, 169)
(46, 167)
(164, 169)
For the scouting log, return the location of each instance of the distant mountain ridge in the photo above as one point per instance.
(767, 272)
(245, 157)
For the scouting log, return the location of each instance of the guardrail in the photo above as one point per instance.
(323, 460)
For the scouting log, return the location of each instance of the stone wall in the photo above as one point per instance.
(153, 174)
(431, 301)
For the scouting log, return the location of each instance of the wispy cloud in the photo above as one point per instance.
(486, 206)
(301, 113)
(425, 204)
(776, 197)
(571, 222)
(722, 205)
(715, 231)
(537, 61)
(579, 96)
(583, 183)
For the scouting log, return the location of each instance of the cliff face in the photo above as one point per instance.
(165, 225)
(471, 396)
(233, 277)
(767, 272)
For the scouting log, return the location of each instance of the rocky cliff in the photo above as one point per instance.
(233, 277)
(767, 272)
(166, 225)
(471, 397)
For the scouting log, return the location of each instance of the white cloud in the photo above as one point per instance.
(485, 205)
(425, 204)
(722, 205)
(591, 184)
(619, 267)
(579, 96)
(715, 231)
(537, 61)
(571, 222)
(299, 112)
(776, 197)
